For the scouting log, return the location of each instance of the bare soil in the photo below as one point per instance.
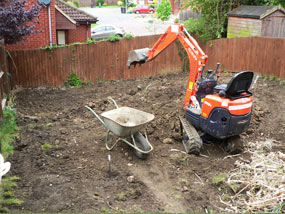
(62, 160)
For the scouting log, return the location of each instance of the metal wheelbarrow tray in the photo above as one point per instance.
(126, 122)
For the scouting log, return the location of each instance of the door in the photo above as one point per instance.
(61, 37)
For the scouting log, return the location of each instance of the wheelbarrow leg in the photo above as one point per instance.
(107, 141)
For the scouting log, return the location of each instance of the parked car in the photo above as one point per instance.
(104, 31)
(144, 9)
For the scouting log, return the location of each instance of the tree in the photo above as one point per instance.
(17, 21)
(163, 10)
(213, 22)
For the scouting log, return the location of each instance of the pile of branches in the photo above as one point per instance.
(260, 183)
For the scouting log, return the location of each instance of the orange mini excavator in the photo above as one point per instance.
(212, 111)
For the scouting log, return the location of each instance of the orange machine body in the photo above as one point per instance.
(239, 106)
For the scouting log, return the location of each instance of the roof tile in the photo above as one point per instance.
(74, 13)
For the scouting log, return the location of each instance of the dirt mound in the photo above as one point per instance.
(62, 160)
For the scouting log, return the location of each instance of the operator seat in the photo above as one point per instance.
(237, 87)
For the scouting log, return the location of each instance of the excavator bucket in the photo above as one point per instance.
(138, 56)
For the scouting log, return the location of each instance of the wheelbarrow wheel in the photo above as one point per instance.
(142, 144)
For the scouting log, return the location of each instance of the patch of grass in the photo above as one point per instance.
(73, 80)
(226, 197)
(31, 126)
(273, 78)
(234, 187)
(7, 193)
(178, 196)
(121, 196)
(48, 125)
(87, 82)
(184, 181)
(103, 209)
(103, 148)
(206, 169)
(46, 146)
(219, 179)
(185, 160)
(99, 79)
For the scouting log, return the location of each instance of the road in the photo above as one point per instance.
(135, 24)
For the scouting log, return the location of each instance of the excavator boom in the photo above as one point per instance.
(196, 55)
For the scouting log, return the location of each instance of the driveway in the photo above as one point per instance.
(135, 24)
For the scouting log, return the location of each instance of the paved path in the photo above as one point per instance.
(135, 24)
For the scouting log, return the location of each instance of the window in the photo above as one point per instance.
(61, 37)
(100, 29)
(109, 28)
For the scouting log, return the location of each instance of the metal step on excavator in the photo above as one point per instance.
(212, 112)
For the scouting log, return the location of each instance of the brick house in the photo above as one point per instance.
(59, 23)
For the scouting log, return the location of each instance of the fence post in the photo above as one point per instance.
(3, 77)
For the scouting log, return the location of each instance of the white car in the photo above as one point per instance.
(104, 31)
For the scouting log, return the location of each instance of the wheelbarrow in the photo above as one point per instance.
(126, 122)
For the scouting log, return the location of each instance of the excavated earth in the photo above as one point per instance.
(63, 164)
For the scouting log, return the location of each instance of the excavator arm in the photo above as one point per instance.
(195, 54)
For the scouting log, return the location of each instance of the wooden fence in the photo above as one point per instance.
(4, 83)
(264, 55)
(107, 60)
(103, 60)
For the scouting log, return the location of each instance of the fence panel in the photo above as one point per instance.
(259, 54)
(103, 60)
(107, 60)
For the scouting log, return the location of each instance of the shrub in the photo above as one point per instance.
(8, 133)
(153, 6)
(132, 5)
(75, 3)
(113, 38)
(163, 10)
(100, 2)
(120, 3)
(105, 4)
(128, 36)
(73, 80)
(8, 130)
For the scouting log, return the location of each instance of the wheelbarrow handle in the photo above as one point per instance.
(111, 99)
(97, 116)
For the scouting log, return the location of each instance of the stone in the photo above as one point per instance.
(131, 179)
(167, 141)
